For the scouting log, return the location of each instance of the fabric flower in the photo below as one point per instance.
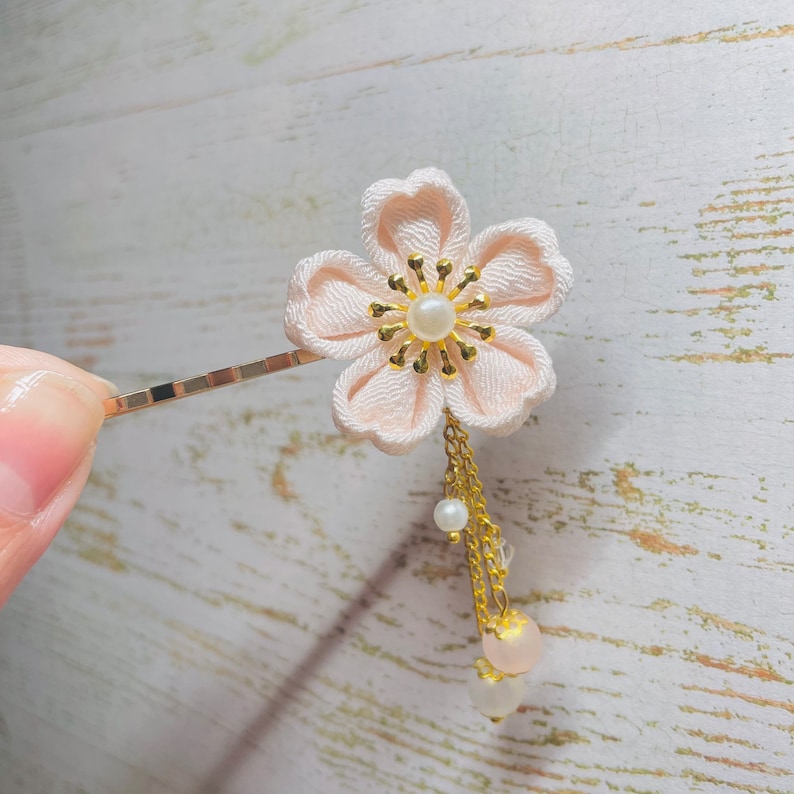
(430, 321)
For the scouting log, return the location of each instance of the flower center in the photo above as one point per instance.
(431, 317)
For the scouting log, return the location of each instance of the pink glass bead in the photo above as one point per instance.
(515, 645)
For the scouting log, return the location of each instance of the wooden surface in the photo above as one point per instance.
(244, 601)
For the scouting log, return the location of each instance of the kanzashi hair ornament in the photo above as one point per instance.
(433, 323)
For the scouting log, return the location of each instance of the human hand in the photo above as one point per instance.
(50, 414)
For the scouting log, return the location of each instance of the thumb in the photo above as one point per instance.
(48, 426)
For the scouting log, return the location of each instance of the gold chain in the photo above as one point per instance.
(483, 538)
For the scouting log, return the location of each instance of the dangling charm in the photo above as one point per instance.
(495, 694)
(511, 641)
(470, 360)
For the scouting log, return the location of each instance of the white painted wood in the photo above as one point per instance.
(243, 601)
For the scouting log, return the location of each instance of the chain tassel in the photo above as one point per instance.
(511, 641)
(481, 535)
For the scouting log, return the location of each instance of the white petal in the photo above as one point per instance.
(395, 409)
(423, 214)
(523, 272)
(497, 391)
(329, 294)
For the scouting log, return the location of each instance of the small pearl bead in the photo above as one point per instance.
(495, 699)
(451, 515)
(431, 317)
(517, 650)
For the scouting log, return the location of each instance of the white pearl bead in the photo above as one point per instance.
(451, 515)
(495, 699)
(518, 649)
(431, 317)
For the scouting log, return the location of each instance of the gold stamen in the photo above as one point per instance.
(479, 301)
(470, 274)
(467, 352)
(486, 332)
(444, 268)
(448, 370)
(397, 361)
(387, 332)
(416, 262)
(377, 309)
(420, 365)
(397, 283)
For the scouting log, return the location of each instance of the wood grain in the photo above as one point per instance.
(245, 601)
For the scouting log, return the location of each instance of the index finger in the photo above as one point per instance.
(18, 359)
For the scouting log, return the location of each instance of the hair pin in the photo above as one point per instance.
(187, 387)
(434, 325)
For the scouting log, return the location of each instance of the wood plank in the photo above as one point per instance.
(246, 601)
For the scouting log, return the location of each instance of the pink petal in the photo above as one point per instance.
(395, 409)
(423, 214)
(523, 272)
(510, 376)
(328, 297)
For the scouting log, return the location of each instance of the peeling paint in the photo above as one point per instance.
(623, 483)
(742, 355)
(657, 543)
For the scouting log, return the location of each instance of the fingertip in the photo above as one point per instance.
(18, 359)
(47, 424)
(22, 541)
(108, 385)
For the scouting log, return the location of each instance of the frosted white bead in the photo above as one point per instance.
(517, 649)
(495, 699)
(451, 515)
(431, 317)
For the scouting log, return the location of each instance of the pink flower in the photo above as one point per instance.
(430, 323)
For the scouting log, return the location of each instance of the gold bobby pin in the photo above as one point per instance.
(187, 387)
